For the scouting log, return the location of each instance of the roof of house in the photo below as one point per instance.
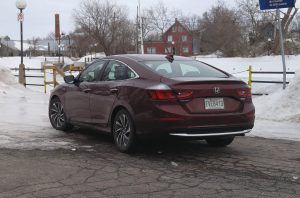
(178, 23)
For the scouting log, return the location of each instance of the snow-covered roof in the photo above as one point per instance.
(42, 45)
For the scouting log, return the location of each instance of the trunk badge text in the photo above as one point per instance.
(217, 90)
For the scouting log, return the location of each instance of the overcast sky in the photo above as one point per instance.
(39, 14)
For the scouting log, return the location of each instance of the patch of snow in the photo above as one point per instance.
(24, 122)
(276, 130)
(33, 62)
(26, 46)
(282, 105)
(91, 57)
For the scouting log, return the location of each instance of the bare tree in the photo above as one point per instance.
(221, 31)
(101, 21)
(158, 18)
(253, 18)
(285, 23)
(250, 16)
(33, 45)
(80, 43)
(295, 27)
(192, 22)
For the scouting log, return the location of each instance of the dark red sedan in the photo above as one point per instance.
(131, 96)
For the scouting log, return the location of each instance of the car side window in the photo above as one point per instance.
(117, 71)
(92, 72)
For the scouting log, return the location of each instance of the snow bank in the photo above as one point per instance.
(33, 62)
(8, 83)
(282, 105)
(6, 76)
(92, 56)
(24, 122)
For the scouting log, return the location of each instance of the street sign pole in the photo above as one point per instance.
(277, 4)
(282, 48)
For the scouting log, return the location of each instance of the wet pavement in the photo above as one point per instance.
(91, 167)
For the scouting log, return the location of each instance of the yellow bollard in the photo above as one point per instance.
(71, 68)
(250, 77)
(45, 79)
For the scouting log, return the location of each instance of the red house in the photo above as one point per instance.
(176, 39)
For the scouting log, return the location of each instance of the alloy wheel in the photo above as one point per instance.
(122, 130)
(57, 115)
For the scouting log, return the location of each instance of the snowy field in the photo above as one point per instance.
(24, 122)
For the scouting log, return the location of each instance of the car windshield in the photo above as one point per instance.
(184, 69)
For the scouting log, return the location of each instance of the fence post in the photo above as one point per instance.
(45, 79)
(22, 77)
(54, 76)
(250, 77)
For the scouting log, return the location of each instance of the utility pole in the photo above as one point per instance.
(137, 29)
(141, 28)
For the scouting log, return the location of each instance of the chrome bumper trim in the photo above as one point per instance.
(210, 134)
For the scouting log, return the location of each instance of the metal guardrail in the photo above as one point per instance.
(55, 70)
(270, 72)
(31, 76)
(37, 85)
(27, 69)
(270, 82)
(250, 81)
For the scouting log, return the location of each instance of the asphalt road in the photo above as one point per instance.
(250, 167)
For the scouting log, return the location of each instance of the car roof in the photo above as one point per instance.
(148, 57)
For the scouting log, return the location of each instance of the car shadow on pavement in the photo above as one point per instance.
(151, 147)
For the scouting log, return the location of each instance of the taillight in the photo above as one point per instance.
(184, 94)
(244, 93)
(162, 95)
(170, 94)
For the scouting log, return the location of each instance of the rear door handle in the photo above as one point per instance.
(114, 90)
(87, 90)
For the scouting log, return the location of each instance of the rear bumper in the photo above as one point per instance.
(198, 125)
(211, 134)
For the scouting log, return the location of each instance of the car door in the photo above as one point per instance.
(105, 93)
(78, 95)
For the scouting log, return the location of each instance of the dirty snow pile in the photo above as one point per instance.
(24, 122)
(8, 83)
(283, 105)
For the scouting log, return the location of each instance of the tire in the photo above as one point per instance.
(57, 116)
(123, 132)
(219, 141)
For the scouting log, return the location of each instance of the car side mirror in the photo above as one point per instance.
(69, 79)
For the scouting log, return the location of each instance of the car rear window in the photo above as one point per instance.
(184, 69)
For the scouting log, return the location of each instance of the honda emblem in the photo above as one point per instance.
(217, 90)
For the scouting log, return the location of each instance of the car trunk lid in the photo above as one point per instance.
(209, 95)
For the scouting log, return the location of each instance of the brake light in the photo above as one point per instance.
(170, 94)
(162, 95)
(244, 93)
(184, 94)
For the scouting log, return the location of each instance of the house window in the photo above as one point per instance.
(174, 29)
(151, 50)
(184, 38)
(185, 50)
(180, 29)
(170, 38)
(168, 50)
